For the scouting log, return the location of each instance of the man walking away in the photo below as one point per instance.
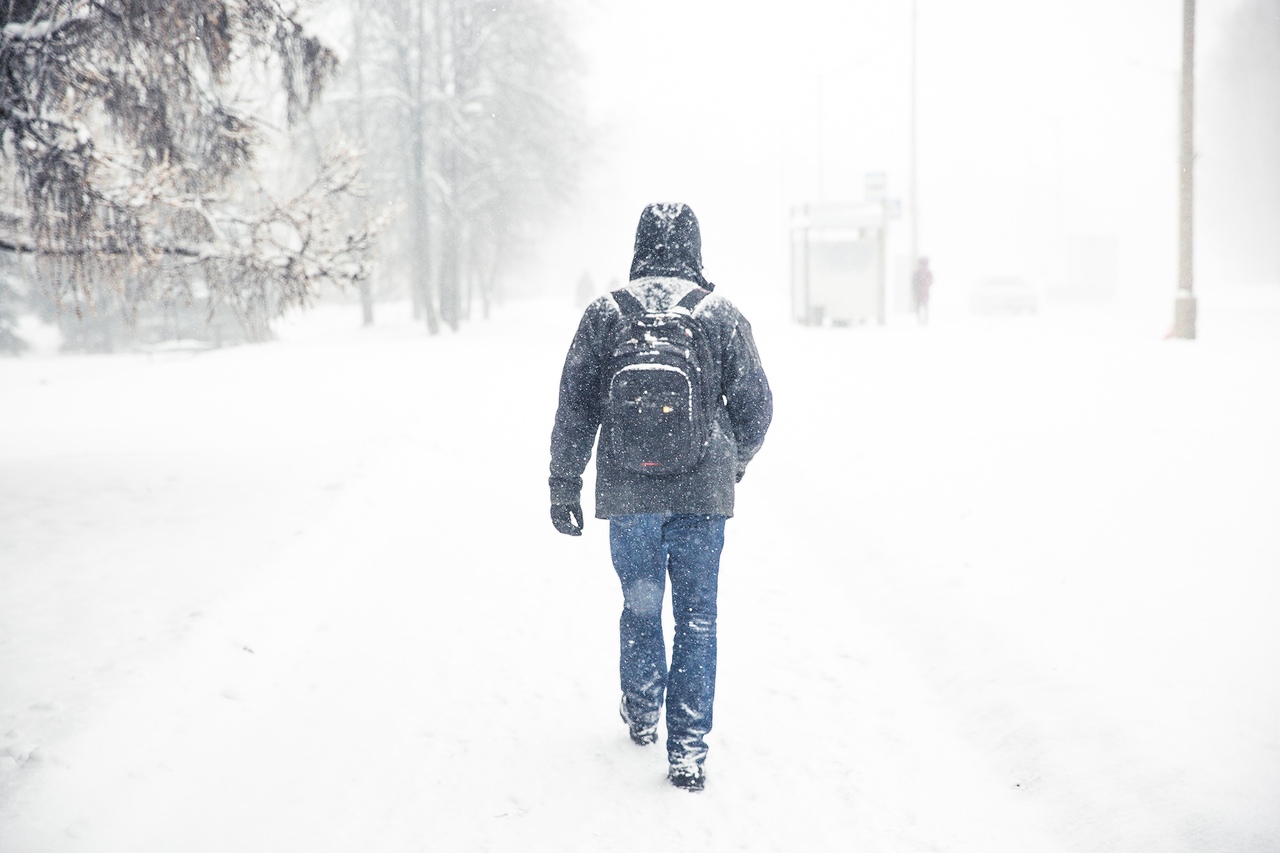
(663, 377)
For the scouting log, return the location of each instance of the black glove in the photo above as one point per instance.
(563, 517)
(742, 472)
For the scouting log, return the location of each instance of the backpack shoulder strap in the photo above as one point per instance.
(692, 298)
(631, 307)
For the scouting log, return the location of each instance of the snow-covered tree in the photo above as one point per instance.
(514, 136)
(130, 128)
(471, 120)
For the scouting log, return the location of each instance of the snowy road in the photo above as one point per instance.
(991, 588)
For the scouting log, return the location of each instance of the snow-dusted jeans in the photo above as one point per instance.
(645, 549)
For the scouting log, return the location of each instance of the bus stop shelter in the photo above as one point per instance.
(838, 263)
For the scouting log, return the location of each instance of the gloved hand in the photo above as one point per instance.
(742, 472)
(563, 517)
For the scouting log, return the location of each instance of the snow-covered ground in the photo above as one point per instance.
(999, 585)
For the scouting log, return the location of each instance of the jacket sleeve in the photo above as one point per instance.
(746, 390)
(578, 413)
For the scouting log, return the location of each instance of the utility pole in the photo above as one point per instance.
(1184, 306)
(821, 195)
(913, 201)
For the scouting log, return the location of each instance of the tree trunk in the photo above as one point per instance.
(450, 250)
(357, 31)
(424, 302)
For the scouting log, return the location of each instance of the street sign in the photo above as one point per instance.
(876, 186)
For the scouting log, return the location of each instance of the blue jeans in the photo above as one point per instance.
(645, 549)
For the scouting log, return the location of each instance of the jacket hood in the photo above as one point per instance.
(669, 243)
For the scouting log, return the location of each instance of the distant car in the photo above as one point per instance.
(1004, 295)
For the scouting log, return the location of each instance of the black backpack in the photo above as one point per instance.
(659, 388)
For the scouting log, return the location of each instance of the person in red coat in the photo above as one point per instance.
(921, 282)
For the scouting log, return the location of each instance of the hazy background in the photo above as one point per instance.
(1046, 130)
(1047, 618)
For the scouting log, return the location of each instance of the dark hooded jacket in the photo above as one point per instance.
(666, 266)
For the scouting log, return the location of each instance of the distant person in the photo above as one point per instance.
(667, 374)
(921, 284)
(586, 289)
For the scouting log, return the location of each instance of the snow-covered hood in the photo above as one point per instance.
(669, 243)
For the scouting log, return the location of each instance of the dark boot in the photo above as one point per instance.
(687, 777)
(642, 734)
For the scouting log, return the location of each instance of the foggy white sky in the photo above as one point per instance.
(1037, 120)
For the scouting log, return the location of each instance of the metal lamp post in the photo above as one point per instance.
(1184, 306)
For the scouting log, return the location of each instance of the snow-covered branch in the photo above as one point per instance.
(130, 140)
